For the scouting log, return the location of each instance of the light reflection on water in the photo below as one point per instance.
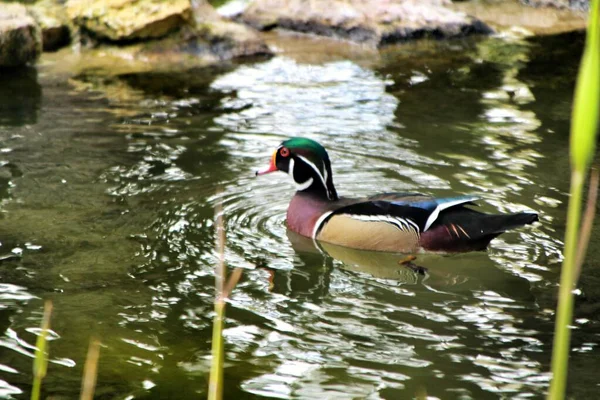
(285, 99)
(307, 322)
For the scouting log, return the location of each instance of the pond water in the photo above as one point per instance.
(109, 184)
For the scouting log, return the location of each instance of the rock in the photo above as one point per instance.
(581, 5)
(129, 20)
(52, 19)
(515, 18)
(374, 22)
(227, 40)
(208, 44)
(189, 49)
(208, 38)
(223, 39)
(20, 38)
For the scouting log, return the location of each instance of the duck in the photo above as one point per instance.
(399, 222)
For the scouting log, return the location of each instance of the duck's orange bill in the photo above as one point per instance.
(270, 168)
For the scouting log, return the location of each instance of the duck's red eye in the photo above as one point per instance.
(285, 152)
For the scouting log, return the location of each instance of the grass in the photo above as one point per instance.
(584, 128)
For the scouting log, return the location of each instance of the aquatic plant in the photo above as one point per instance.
(40, 363)
(222, 289)
(584, 128)
(90, 371)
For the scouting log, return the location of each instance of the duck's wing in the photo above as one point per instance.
(431, 206)
(382, 222)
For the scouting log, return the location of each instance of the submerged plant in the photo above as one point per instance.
(584, 127)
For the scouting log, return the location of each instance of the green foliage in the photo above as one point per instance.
(584, 127)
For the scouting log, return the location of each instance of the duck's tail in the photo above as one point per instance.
(498, 223)
(464, 229)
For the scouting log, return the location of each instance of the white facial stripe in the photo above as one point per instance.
(299, 186)
(291, 169)
(313, 166)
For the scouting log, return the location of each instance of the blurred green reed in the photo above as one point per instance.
(584, 128)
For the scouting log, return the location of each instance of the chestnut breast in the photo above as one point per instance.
(304, 212)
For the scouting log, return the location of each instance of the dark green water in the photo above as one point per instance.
(107, 210)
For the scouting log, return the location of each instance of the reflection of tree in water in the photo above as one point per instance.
(527, 126)
(175, 136)
(507, 133)
(552, 75)
(20, 96)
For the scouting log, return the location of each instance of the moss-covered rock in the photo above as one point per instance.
(129, 20)
(52, 19)
(373, 22)
(20, 37)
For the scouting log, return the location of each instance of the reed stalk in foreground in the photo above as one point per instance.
(40, 364)
(222, 288)
(90, 371)
(584, 127)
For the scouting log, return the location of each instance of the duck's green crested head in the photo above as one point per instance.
(307, 162)
(307, 147)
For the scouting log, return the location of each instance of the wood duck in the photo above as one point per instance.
(392, 222)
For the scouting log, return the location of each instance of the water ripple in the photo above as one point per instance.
(305, 324)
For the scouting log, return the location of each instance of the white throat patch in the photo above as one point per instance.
(300, 186)
(314, 167)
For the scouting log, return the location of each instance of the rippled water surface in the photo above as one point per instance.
(109, 183)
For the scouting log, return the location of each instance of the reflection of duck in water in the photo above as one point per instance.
(391, 222)
(384, 265)
(457, 274)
